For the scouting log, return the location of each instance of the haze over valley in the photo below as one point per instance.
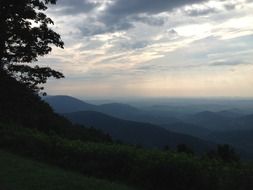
(199, 123)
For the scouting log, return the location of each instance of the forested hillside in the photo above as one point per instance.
(138, 133)
(19, 105)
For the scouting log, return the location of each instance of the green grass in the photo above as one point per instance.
(23, 174)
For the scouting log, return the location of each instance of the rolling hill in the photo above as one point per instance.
(187, 128)
(209, 120)
(138, 133)
(221, 121)
(244, 123)
(65, 104)
(231, 113)
(238, 138)
(68, 104)
(218, 127)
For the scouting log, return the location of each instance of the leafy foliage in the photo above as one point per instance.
(25, 35)
(33, 76)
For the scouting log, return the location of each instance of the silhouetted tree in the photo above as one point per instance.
(225, 153)
(183, 148)
(24, 36)
(166, 148)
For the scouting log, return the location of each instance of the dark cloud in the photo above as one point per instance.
(121, 14)
(110, 24)
(132, 9)
(201, 12)
(172, 32)
(229, 63)
(128, 7)
(230, 6)
(73, 7)
(150, 20)
(134, 45)
(97, 28)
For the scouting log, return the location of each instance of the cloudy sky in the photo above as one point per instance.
(174, 48)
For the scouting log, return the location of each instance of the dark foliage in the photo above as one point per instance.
(19, 105)
(225, 153)
(25, 35)
(150, 169)
(183, 148)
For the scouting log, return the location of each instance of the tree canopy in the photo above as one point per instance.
(26, 35)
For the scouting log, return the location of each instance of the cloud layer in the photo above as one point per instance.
(114, 44)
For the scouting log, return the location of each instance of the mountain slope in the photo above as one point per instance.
(136, 132)
(221, 121)
(240, 139)
(65, 104)
(244, 123)
(209, 120)
(68, 104)
(187, 128)
(231, 113)
(22, 107)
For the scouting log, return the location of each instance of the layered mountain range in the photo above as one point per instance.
(153, 128)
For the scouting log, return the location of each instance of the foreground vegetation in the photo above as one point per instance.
(24, 174)
(149, 169)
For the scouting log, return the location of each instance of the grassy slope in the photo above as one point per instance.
(23, 174)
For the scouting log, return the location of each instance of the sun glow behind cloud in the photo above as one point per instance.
(202, 49)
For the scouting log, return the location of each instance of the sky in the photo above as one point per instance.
(147, 48)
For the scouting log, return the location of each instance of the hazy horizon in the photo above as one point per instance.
(102, 97)
(232, 102)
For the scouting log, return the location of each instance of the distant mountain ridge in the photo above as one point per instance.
(231, 113)
(132, 132)
(221, 121)
(210, 120)
(213, 126)
(188, 128)
(245, 122)
(68, 104)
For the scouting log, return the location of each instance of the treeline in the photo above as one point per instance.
(148, 169)
(20, 106)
